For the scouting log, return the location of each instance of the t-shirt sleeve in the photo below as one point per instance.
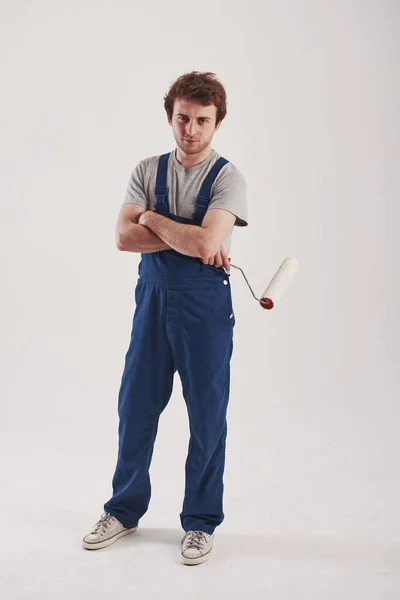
(135, 193)
(229, 192)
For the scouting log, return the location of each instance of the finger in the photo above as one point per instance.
(218, 260)
(225, 259)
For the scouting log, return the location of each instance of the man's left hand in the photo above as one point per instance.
(219, 260)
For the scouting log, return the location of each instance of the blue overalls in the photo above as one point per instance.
(183, 322)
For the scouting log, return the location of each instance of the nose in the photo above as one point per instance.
(190, 129)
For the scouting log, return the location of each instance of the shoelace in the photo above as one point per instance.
(194, 539)
(101, 526)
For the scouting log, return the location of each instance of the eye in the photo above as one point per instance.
(202, 119)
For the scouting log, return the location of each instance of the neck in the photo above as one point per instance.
(191, 160)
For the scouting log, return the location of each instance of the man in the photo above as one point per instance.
(179, 212)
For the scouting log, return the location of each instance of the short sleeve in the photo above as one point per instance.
(229, 192)
(135, 193)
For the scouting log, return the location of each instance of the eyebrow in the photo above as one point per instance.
(183, 115)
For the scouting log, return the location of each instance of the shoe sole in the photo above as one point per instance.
(197, 560)
(108, 542)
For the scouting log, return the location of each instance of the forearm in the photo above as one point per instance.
(138, 238)
(191, 240)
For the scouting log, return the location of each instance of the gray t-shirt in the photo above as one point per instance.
(227, 192)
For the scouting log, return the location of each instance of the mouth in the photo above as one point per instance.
(189, 141)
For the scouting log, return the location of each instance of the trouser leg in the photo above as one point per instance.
(203, 346)
(146, 388)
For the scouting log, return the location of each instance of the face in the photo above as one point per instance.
(192, 121)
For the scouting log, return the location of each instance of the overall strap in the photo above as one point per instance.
(161, 190)
(203, 198)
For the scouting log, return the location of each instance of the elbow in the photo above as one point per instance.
(207, 248)
(126, 240)
(120, 241)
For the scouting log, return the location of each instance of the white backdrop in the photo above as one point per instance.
(312, 490)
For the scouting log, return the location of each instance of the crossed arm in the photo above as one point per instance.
(138, 230)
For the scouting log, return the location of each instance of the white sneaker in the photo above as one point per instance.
(196, 547)
(106, 531)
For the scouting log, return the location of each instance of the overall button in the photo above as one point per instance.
(230, 316)
(225, 282)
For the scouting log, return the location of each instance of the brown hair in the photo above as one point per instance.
(202, 87)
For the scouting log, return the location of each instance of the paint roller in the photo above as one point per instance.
(278, 284)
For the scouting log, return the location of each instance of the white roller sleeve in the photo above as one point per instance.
(280, 282)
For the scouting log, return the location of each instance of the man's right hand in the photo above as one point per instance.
(219, 260)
